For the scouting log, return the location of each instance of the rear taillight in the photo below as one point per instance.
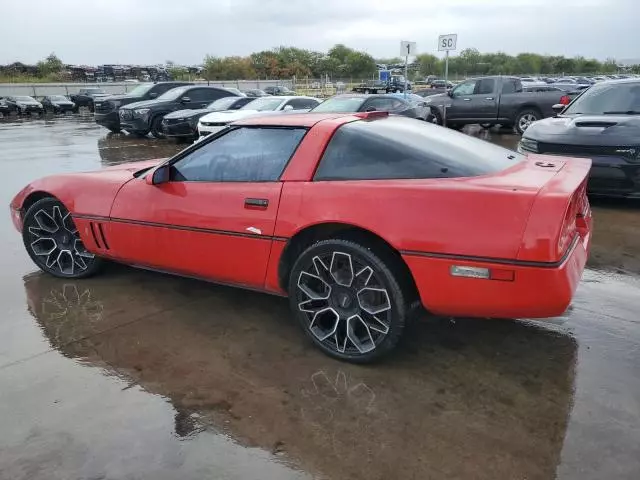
(565, 100)
(577, 219)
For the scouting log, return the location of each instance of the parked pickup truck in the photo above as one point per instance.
(492, 101)
(392, 86)
(86, 96)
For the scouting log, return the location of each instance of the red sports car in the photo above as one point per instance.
(356, 217)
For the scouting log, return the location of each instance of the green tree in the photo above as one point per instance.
(51, 65)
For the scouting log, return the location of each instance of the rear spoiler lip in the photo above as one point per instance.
(549, 207)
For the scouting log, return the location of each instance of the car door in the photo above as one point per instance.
(215, 217)
(484, 101)
(460, 105)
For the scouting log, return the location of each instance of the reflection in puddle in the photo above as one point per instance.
(474, 399)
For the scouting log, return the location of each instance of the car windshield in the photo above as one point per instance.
(140, 90)
(340, 104)
(222, 103)
(606, 99)
(263, 104)
(58, 98)
(174, 93)
(94, 90)
(25, 99)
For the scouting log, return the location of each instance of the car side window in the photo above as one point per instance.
(508, 85)
(201, 94)
(465, 88)
(358, 155)
(380, 104)
(241, 155)
(162, 88)
(485, 86)
(302, 103)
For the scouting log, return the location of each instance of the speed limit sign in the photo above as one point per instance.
(447, 42)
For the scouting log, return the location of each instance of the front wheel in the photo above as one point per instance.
(347, 300)
(53, 242)
(525, 118)
(156, 127)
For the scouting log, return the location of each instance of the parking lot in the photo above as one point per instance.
(136, 375)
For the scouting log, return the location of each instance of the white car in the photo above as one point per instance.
(216, 121)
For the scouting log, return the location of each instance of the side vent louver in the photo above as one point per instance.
(97, 233)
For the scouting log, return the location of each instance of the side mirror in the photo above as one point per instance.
(185, 99)
(370, 109)
(287, 108)
(153, 94)
(158, 175)
(558, 108)
(450, 92)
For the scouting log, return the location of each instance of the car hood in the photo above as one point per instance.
(186, 113)
(147, 104)
(62, 102)
(122, 98)
(21, 102)
(602, 130)
(438, 98)
(229, 115)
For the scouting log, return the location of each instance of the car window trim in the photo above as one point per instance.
(228, 130)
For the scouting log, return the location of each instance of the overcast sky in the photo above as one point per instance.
(152, 31)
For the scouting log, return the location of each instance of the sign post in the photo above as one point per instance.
(446, 43)
(406, 49)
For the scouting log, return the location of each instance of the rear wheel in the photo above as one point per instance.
(156, 127)
(53, 242)
(348, 300)
(114, 129)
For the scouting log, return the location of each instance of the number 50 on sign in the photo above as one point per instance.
(447, 42)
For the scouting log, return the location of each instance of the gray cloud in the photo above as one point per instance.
(152, 31)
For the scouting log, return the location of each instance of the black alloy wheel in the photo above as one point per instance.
(53, 242)
(348, 300)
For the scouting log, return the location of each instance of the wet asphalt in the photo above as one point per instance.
(138, 375)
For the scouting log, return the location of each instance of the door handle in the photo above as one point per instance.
(489, 98)
(466, 99)
(256, 203)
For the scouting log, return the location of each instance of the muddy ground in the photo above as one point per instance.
(138, 375)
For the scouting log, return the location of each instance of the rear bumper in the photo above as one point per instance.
(536, 291)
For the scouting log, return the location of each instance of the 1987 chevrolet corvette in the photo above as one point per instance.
(355, 217)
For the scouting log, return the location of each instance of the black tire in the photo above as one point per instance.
(114, 129)
(437, 116)
(156, 127)
(53, 242)
(372, 335)
(139, 133)
(525, 117)
(486, 126)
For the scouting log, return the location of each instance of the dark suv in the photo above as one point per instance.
(106, 109)
(141, 118)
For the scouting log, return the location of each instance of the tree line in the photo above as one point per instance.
(347, 63)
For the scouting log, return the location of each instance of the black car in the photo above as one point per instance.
(413, 106)
(57, 104)
(6, 107)
(255, 92)
(281, 91)
(183, 124)
(140, 118)
(106, 109)
(603, 123)
(25, 105)
(87, 96)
